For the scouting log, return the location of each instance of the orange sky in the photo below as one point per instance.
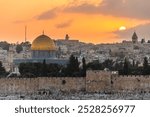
(95, 28)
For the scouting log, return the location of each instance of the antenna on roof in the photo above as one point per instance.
(43, 32)
(25, 33)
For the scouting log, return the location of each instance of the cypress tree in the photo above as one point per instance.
(76, 65)
(44, 68)
(2, 69)
(126, 67)
(73, 66)
(145, 66)
(84, 66)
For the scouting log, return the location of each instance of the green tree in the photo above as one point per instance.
(55, 70)
(133, 63)
(27, 43)
(2, 70)
(44, 68)
(73, 66)
(28, 69)
(84, 66)
(126, 67)
(19, 48)
(95, 65)
(4, 45)
(39, 69)
(118, 66)
(76, 65)
(108, 64)
(145, 67)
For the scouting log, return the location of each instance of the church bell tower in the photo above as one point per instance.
(135, 38)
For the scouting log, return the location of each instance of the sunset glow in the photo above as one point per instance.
(122, 28)
(81, 19)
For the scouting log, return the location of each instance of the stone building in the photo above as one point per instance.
(135, 38)
(42, 48)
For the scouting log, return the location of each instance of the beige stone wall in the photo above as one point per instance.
(98, 81)
(130, 83)
(71, 84)
(16, 85)
(31, 85)
(103, 81)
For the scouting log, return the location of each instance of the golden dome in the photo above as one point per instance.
(43, 42)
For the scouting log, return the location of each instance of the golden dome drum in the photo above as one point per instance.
(43, 42)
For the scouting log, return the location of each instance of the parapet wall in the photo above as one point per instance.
(105, 81)
(32, 85)
(16, 85)
(95, 81)
(63, 84)
(130, 83)
(98, 81)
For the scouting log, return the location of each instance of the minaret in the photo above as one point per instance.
(134, 38)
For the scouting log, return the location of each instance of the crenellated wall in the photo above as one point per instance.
(31, 85)
(98, 81)
(130, 83)
(95, 81)
(105, 81)
(64, 84)
(17, 85)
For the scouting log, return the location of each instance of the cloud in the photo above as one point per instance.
(83, 8)
(141, 30)
(137, 9)
(64, 24)
(22, 21)
(121, 8)
(50, 14)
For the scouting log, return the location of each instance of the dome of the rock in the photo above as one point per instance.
(43, 42)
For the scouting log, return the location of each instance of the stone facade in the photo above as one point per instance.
(102, 81)
(98, 81)
(131, 83)
(95, 81)
(63, 84)
(33, 85)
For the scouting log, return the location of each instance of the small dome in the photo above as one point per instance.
(43, 42)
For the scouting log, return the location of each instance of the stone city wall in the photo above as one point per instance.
(33, 85)
(16, 85)
(130, 83)
(104, 81)
(98, 81)
(95, 81)
(63, 84)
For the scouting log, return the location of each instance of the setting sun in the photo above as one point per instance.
(122, 28)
